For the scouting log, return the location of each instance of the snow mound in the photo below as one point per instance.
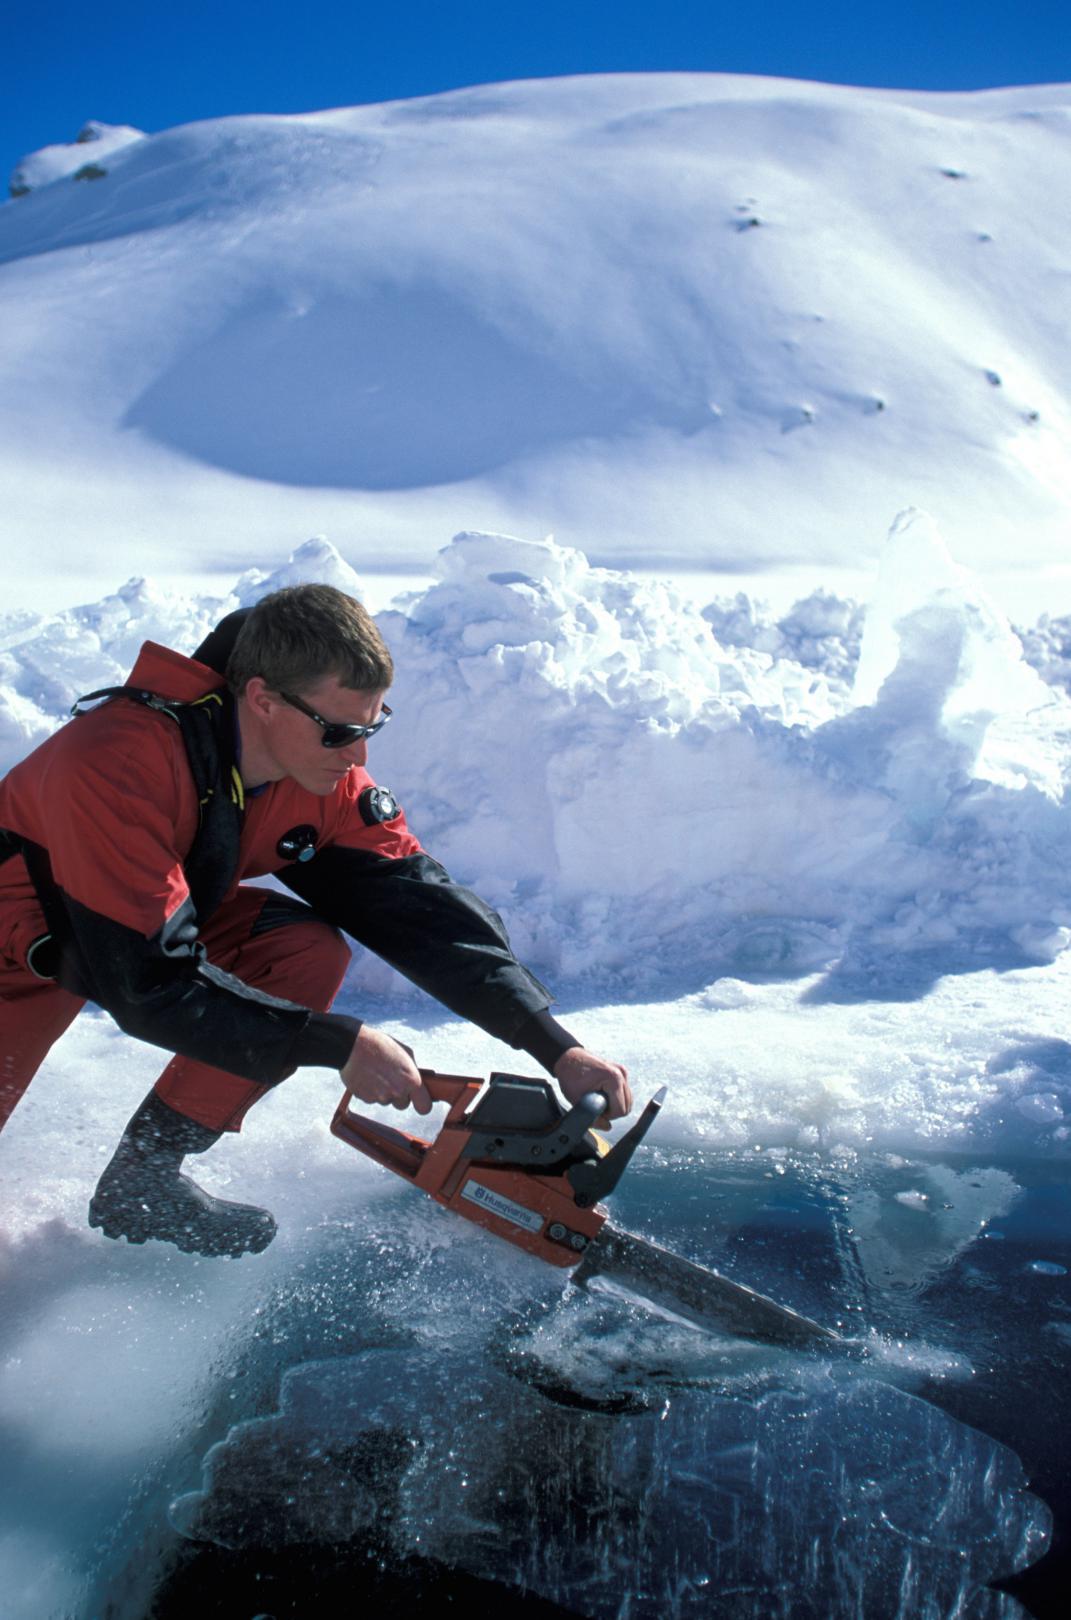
(317, 560)
(636, 795)
(641, 800)
(1047, 648)
(822, 631)
(49, 660)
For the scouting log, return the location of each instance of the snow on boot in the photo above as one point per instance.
(143, 1195)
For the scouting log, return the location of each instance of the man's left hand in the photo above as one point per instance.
(579, 1071)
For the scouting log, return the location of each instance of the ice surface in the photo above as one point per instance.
(114, 1363)
(832, 1496)
(906, 1248)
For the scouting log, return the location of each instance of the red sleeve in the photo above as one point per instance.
(348, 828)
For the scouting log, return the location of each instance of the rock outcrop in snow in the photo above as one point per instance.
(82, 158)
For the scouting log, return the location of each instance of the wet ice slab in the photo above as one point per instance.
(830, 1495)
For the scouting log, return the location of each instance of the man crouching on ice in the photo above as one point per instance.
(123, 841)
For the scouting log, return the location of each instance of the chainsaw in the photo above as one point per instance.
(510, 1157)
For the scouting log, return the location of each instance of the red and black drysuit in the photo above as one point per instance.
(125, 837)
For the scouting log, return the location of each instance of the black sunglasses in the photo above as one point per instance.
(338, 734)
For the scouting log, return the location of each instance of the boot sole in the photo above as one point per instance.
(256, 1243)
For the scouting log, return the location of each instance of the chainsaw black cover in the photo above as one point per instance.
(514, 1102)
(519, 1120)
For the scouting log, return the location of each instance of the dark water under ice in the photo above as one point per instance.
(420, 1420)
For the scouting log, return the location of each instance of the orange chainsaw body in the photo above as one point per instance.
(541, 1195)
(536, 1211)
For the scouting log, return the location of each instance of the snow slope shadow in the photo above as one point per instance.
(393, 389)
(865, 973)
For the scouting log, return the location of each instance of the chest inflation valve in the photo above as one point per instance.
(299, 844)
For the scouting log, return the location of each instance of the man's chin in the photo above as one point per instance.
(322, 783)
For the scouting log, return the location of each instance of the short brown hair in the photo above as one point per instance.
(296, 637)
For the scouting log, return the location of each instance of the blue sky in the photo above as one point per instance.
(132, 62)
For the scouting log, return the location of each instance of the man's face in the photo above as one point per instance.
(295, 740)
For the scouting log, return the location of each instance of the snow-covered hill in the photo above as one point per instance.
(726, 321)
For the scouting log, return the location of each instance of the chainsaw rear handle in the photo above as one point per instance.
(456, 1089)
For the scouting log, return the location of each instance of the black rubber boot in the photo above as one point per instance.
(143, 1195)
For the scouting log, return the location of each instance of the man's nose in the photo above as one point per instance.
(357, 752)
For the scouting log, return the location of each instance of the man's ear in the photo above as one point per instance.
(258, 697)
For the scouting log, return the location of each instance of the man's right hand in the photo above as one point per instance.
(379, 1070)
(579, 1071)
